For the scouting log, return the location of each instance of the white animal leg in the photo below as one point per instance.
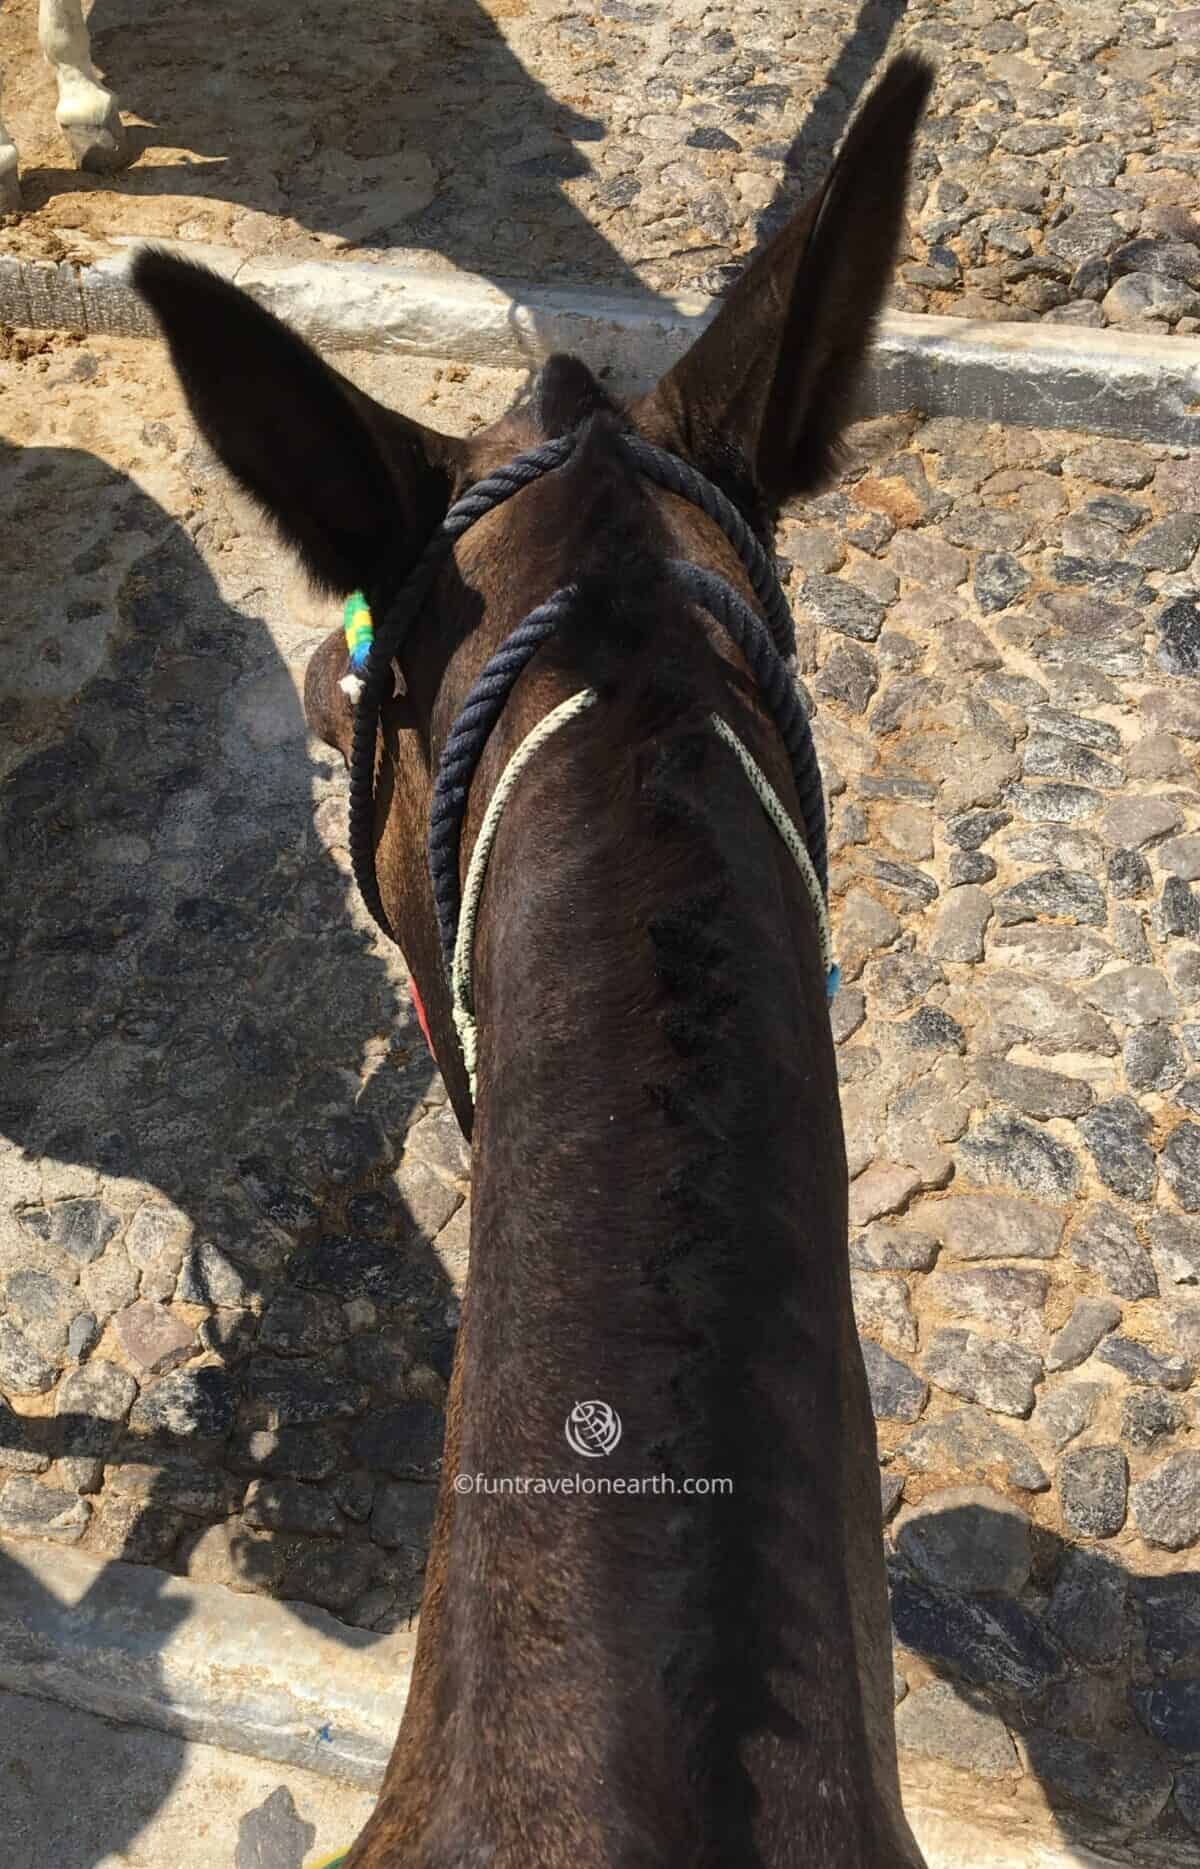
(10, 180)
(86, 111)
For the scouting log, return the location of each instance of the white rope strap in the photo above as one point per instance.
(462, 982)
(773, 805)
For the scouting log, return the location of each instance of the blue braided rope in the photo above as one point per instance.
(667, 470)
(486, 494)
(487, 697)
(464, 745)
(489, 694)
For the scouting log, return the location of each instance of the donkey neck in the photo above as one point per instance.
(659, 1218)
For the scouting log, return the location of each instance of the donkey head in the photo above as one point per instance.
(758, 405)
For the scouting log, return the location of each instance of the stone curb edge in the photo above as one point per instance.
(286, 1682)
(1049, 376)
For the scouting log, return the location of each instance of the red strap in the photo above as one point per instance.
(419, 1006)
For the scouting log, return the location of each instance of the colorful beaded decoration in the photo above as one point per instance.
(360, 630)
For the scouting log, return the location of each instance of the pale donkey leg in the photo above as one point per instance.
(86, 112)
(10, 180)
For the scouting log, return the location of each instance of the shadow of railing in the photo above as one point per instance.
(1017, 1633)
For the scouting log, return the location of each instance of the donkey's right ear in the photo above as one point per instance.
(775, 372)
(344, 479)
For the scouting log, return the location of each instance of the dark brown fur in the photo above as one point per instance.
(659, 1206)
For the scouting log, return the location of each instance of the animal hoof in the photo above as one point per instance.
(100, 148)
(10, 187)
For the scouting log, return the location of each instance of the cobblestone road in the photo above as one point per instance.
(234, 1215)
(637, 144)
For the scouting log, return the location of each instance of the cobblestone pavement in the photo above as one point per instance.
(640, 144)
(234, 1220)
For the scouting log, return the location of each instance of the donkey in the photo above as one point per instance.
(87, 113)
(659, 1672)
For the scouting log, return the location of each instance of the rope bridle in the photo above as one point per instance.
(764, 645)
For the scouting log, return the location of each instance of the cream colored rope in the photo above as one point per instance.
(462, 982)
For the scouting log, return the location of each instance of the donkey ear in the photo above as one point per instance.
(343, 478)
(776, 370)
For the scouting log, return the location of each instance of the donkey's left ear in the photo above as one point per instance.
(776, 370)
(344, 479)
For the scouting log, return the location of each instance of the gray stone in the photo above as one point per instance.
(884, 1188)
(850, 675)
(1143, 1365)
(23, 1368)
(1178, 626)
(1115, 1132)
(897, 981)
(1066, 1412)
(82, 1336)
(1061, 844)
(1129, 935)
(109, 1284)
(1148, 1416)
(938, 1723)
(194, 1404)
(1052, 756)
(1187, 1797)
(996, 1226)
(968, 1444)
(969, 867)
(1180, 1163)
(1134, 995)
(30, 1510)
(866, 927)
(302, 1396)
(1032, 1091)
(1092, 1485)
(1105, 1243)
(1003, 1149)
(1153, 1058)
(1000, 1376)
(209, 1277)
(969, 1538)
(1139, 296)
(20, 1451)
(1171, 1712)
(403, 1515)
(290, 1506)
(1178, 912)
(1066, 893)
(1009, 1297)
(881, 1304)
(1174, 259)
(91, 1406)
(81, 1228)
(1181, 856)
(959, 933)
(1000, 579)
(1175, 1246)
(931, 1029)
(355, 1495)
(888, 1248)
(970, 829)
(896, 1393)
(1054, 804)
(1087, 1610)
(1170, 544)
(297, 1453)
(1135, 822)
(1123, 1791)
(1090, 1320)
(992, 1642)
(843, 607)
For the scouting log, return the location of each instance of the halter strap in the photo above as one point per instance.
(462, 975)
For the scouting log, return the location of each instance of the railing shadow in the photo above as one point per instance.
(1006, 1630)
(208, 1071)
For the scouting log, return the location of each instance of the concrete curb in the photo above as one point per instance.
(277, 1681)
(287, 1683)
(1050, 376)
